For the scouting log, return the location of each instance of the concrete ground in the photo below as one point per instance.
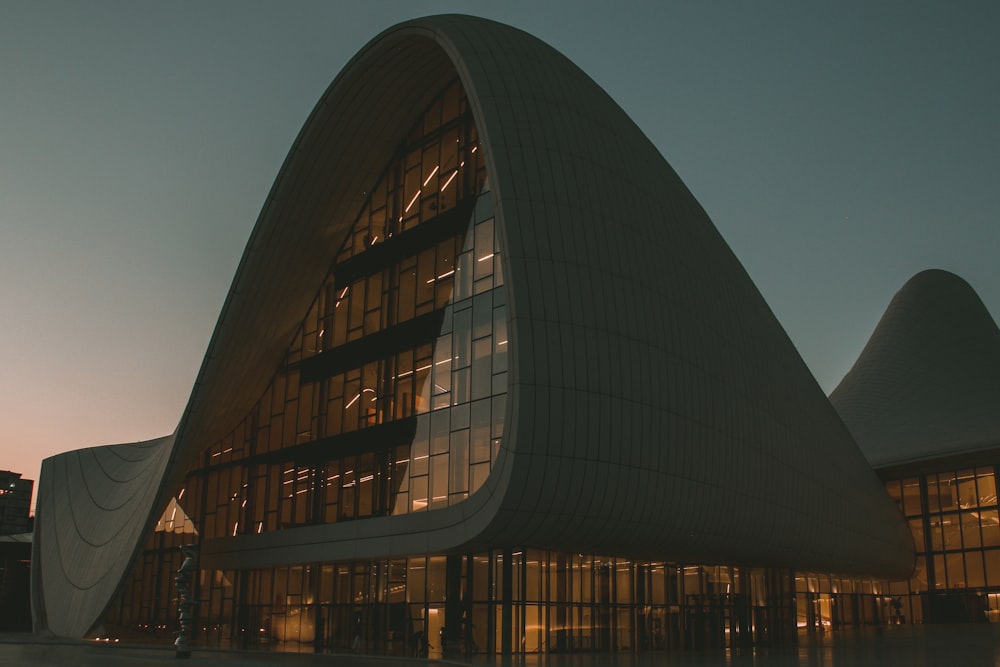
(901, 646)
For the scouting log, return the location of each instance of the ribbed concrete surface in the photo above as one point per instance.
(927, 384)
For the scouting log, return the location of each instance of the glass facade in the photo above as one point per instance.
(954, 520)
(391, 397)
(520, 601)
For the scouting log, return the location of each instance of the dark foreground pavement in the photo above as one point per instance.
(904, 646)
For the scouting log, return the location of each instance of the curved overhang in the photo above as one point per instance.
(655, 406)
(927, 384)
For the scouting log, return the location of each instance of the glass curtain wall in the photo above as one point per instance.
(953, 517)
(519, 601)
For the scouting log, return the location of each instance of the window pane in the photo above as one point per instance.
(975, 576)
(992, 558)
(987, 487)
(970, 530)
(956, 570)
(966, 490)
(917, 528)
(911, 496)
(990, 523)
(952, 534)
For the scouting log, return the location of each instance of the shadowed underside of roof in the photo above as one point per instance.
(927, 384)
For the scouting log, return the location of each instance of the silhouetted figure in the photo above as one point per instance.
(420, 646)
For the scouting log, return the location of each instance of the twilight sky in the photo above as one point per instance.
(839, 147)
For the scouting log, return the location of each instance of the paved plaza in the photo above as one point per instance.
(905, 646)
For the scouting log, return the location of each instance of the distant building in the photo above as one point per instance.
(15, 583)
(15, 551)
(15, 503)
(923, 403)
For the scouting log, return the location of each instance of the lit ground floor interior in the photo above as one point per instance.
(521, 602)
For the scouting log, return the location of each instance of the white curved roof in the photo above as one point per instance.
(927, 384)
(655, 406)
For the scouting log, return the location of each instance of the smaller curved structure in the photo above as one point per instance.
(92, 510)
(927, 384)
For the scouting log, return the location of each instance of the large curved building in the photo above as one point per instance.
(487, 372)
(923, 403)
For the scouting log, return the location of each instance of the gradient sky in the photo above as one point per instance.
(840, 148)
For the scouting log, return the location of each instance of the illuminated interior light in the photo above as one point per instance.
(289, 470)
(226, 451)
(374, 239)
(244, 503)
(431, 175)
(260, 526)
(181, 494)
(475, 148)
(401, 461)
(420, 458)
(446, 274)
(344, 292)
(450, 179)
(445, 361)
(332, 477)
(367, 478)
(173, 514)
(348, 485)
(321, 332)
(302, 491)
(423, 368)
(503, 342)
(412, 201)
(421, 502)
(462, 163)
(404, 374)
(353, 401)
(235, 526)
(216, 454)
(485, 257)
